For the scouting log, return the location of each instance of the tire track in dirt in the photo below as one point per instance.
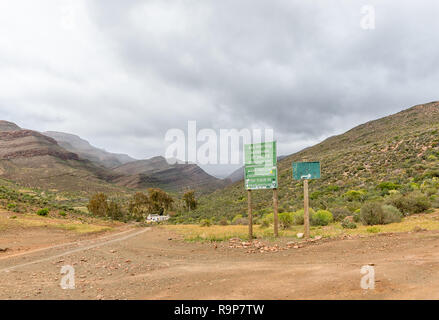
(66, 253)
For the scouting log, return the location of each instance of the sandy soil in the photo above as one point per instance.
(153, 263)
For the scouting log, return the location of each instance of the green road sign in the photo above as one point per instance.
(306, 170)
(260, 166)
(260, 154)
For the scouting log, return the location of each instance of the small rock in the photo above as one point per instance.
(300, 235)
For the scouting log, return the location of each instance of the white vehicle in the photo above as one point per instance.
(156, 218)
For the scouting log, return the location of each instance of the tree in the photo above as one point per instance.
(98, 205)
(138, 206)
(189, 199)
(114, 211)
(159, 201)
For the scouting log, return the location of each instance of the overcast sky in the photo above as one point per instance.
(121, 73)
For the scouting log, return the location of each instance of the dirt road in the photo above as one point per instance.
(153, 263)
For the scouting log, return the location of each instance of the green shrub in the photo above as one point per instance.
(12, 206)
(43, 212)
(411, 203)
(348, 224)
(372, 213)
(235, 218)
(265, 223)
(340, 213)
(62, 213)
(373, 229)
(356, 215)
(205, 223)
(321, 218)
(267, 220)
(298, 216)
(385, 187)
(285, 220)
(223, 222)
(355, 195)
(391, 214)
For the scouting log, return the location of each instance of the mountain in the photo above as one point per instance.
(6, 126)
(37, 161)
(156, 172)
(85, 150)
(402, 149)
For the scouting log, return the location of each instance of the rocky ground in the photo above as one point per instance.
(153, 263)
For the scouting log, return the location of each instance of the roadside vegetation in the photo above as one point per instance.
(208, 233)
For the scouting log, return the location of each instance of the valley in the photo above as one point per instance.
(64, 202)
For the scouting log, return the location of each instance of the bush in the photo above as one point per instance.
(223, 222)
(340, 213)
(356, 215)
(348, 224)
(62, 213)
(372, 213)
(265, 223)
(43, 212)
(385, 187)
(285, 220)
(411, 203)
(355, 195)
(235, 218)
(373, 229)
(12, 206)
(391, 214)
(241, 221)
(298, 216)
(321, 218)
(267, 220)
(205, 223)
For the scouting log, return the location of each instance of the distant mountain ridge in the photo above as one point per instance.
(158, 172)
(85, 150)
(66, 162)
(38, 161)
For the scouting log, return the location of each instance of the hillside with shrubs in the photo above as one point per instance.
(375, 173)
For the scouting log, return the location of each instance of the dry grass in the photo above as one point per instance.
(429, 221)
(31, 221)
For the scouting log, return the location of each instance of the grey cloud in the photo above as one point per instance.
(304, 68)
